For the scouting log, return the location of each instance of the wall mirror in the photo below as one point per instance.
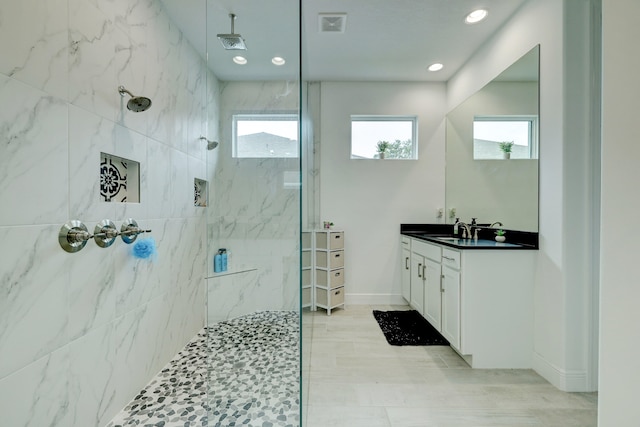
(481, 181)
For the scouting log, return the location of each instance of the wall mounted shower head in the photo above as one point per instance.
(210, 144)
(136, 103)
(232, 41)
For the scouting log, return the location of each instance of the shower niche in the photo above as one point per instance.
(119, 179)
(200, 191)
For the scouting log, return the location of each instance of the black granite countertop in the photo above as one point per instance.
(443, 234)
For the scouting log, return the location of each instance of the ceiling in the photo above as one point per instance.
(384, 40)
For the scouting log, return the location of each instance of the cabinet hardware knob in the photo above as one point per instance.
(419, 267)
(424, 277)
(406, 263)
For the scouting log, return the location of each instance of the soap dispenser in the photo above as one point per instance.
(217, 262)
(223, 260)
(455, 227)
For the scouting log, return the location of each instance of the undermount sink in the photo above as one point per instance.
(449, 239)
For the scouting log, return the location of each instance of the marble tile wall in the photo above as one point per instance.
(254, 215)
(81, 333)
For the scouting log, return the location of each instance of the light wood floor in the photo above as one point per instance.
(353, 378)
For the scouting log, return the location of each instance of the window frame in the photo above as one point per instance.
(413, 119)
(533, 129)
(284, 115)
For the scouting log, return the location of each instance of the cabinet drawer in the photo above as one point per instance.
(306, 240)
(306, 258)
(330, 240)
(306, 277)
(426, 250)
(331, 298)
(451, 258)
(406, 242)
(306, 296)
(333, 259)
(330, 279)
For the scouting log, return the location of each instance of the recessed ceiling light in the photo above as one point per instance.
(240, 60)
(277, 60)
(476, 16)
(435, 67)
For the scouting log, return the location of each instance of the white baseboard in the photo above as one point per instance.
(374, 299)
(565, 380)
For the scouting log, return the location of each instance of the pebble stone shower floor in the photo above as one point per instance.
(241, 372)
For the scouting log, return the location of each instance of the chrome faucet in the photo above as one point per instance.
(467, 229)
(498, 223)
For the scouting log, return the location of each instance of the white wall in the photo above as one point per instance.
(620, 290)
(369, 199)
(564, 286)
(81, 333)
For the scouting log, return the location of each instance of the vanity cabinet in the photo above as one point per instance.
(481, 301)
(405, 263)
(425, 273)
(450, 287)
(417, 283)
(433, 294)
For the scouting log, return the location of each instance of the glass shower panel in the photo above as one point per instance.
(253, 215)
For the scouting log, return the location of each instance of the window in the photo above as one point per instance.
(398, 131)
(263, 135)
(490, 131)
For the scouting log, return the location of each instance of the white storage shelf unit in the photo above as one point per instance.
(329, 269)
(307, 269)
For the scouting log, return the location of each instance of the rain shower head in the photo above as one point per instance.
(232, 41)
(136, 103)
(210, 144)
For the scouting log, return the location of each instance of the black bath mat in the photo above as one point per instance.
(407, 328)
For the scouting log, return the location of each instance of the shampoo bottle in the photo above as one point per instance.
(223, 259)
(217, 262)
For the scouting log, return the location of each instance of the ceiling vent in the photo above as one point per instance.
(332, 22)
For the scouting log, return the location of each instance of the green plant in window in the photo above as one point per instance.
(400, 149)
(506, 146)
(382, 146)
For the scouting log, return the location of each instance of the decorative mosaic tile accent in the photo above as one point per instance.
(119, 179)
(200, 192)
(241, 372)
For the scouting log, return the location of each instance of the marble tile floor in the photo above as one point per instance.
(241, 372)
(352, 377)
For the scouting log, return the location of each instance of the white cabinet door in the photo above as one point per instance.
(451, 306)
(432, 294)
(417, 283)
(406, 274)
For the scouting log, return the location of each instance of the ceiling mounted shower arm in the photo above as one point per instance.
(233, 21)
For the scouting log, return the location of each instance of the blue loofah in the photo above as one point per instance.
(145, 249)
